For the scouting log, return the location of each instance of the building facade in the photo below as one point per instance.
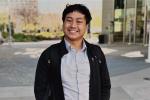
(128, 19)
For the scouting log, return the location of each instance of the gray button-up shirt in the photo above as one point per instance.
(75, 73)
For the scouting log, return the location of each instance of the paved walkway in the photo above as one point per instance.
(128, 70)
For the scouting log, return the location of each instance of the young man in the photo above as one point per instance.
(73, 69)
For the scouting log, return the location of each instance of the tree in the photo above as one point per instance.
(28, 15)
(2, 27)
(1, 31)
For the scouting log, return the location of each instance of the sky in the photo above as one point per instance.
(57, 6)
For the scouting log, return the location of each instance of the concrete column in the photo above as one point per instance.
(124, 22)
(148, 58)
(9, 23)
(135, 22)
(107, 14)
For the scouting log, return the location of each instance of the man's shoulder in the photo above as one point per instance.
(93, 46)
(52, 47)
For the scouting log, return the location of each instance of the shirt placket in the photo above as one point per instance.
(77, 70)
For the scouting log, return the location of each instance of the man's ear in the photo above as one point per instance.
(87, 25)
(88, 28)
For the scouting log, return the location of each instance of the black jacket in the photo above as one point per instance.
(48, 84)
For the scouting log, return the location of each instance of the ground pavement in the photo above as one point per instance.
(128, 70)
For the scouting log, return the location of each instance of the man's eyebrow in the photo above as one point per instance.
(76, 18)
(80, 18)
(68, 17)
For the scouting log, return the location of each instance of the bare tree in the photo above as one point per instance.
(28, 15)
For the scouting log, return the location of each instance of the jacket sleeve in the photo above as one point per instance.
(41, 85)
(105, 79)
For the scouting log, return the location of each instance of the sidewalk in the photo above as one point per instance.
(135, 83)
(131, 86)
(127, 66)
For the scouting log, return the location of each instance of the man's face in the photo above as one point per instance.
(74, 26)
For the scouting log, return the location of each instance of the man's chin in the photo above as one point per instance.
(74, 38)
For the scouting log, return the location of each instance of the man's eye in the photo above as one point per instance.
(68, 20)
(79, 22)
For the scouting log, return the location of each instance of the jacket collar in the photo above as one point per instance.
(63, 49)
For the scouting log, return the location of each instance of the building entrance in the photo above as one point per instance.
(118, 20)
(129, 21)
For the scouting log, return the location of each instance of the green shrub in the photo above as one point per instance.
(24, 38)
(19, 37)
(5, 34)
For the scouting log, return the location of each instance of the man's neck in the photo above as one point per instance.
(76, 44)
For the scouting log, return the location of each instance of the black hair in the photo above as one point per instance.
(79, 8)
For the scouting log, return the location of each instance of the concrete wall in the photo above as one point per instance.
(107, 14)
(130, 3)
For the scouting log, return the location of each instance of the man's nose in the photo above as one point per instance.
(73, 24)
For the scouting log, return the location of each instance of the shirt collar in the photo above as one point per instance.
(69, 47)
